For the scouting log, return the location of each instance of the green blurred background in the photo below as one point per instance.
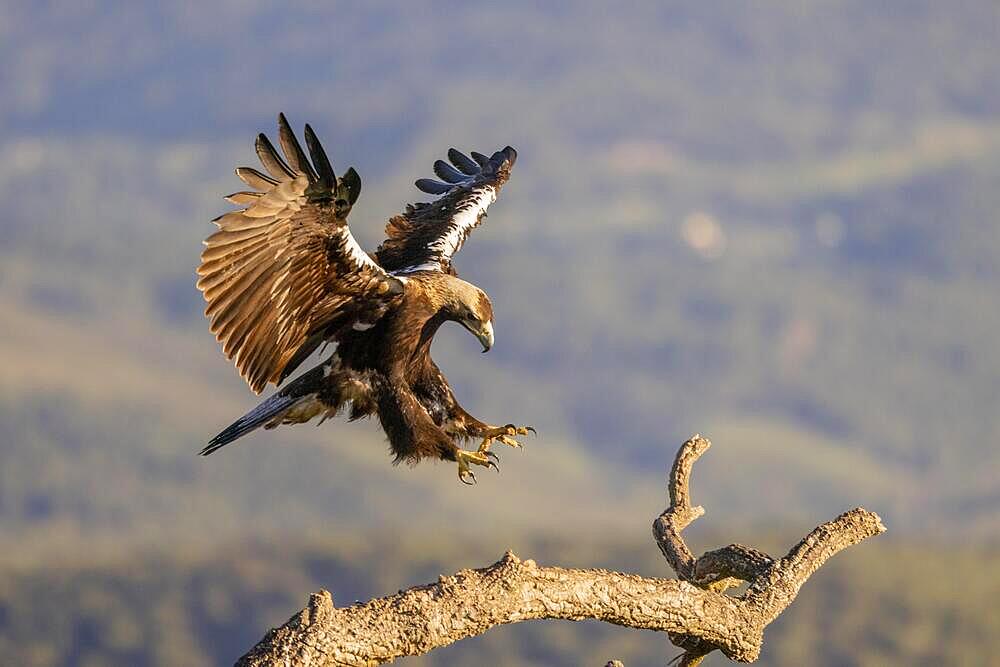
(773, 223)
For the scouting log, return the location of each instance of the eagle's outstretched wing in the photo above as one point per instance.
(281, 272)
(427, 235)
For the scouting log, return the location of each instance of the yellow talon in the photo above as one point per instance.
(511, 442)
(480, 458)
(503, 434)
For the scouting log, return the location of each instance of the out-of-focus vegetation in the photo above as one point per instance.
(775, 224)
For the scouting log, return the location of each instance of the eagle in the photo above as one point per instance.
(283, 275)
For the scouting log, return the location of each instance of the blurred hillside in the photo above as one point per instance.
(774, 224)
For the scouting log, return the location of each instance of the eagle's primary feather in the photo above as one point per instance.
(284, 274)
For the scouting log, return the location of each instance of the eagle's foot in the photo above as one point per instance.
(504, 434)
(480, 458)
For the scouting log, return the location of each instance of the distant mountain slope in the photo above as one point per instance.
(779, 221)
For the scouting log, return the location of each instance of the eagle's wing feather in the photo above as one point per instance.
(287, 267)
(427, 235)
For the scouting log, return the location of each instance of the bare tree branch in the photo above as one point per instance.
(693, 610)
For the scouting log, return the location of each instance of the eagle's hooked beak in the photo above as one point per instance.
(484, 334)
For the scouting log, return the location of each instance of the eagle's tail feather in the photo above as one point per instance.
(257, 417)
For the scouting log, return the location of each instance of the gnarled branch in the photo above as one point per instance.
(693, 610)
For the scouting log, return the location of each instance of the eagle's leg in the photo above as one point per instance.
(413, 435)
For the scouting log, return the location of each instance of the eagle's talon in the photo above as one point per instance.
(483, 458)
(503, 434)
(510, 442)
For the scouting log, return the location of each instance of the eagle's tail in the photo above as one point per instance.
(259, 416)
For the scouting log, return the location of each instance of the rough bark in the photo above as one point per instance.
(694, 610)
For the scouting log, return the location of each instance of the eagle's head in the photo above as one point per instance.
(469, 306)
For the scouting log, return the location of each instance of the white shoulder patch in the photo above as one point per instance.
(426, 266)
(356, 252)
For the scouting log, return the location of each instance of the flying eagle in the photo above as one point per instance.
(284, 275)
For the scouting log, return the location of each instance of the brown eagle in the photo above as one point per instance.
(284, 275)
